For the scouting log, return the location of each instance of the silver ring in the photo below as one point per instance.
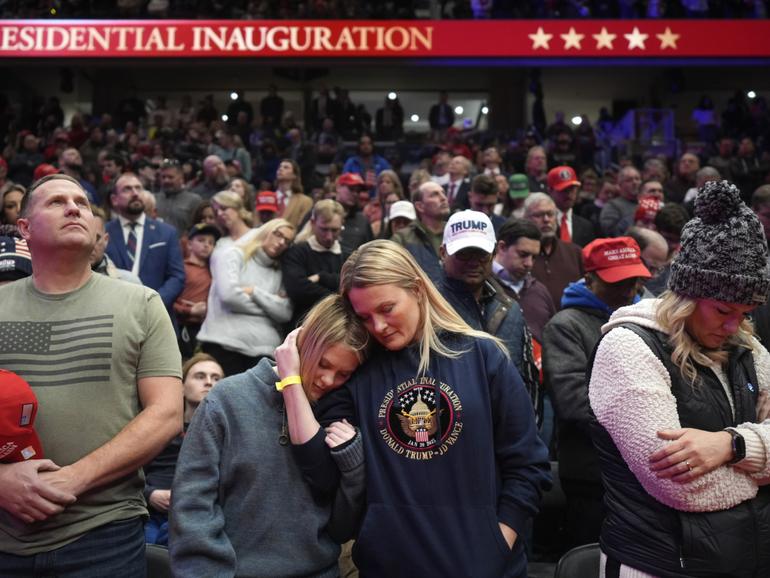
(687, 463)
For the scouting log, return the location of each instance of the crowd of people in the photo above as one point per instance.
(299, 357)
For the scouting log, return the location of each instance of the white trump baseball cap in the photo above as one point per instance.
(469, 229)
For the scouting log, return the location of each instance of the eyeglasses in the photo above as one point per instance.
(654, 271)
(543, 215)
(170, 163)
(283, 237)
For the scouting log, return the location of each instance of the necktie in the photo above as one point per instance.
(131, 243)
(452, 188)
(564, 229)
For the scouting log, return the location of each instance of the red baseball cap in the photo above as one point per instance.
(559, 178)
(614, 259)
(267, 201)
(351, 180)
(18, 408)
(43, 170)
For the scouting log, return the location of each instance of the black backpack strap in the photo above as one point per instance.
(530, 374)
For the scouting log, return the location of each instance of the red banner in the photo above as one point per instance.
(401, 39)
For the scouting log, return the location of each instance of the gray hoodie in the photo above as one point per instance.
(240, 506)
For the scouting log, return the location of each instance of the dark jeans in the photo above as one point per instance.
(114, 550)
(232, 362)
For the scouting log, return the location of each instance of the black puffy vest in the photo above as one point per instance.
(642, 533)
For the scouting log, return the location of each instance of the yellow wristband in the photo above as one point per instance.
(291, 380)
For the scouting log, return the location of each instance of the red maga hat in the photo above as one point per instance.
(614, 259)
(43, 170)
(351, 180)
(18, 408)
(267, 201)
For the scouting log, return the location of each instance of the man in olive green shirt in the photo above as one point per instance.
(101, 357)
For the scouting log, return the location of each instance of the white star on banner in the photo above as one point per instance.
(604, 39)
(540, 39)
(572, 39)
(636, 39)
(668, 39)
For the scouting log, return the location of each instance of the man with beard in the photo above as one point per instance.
(366, 163)
(423, 237)
(215, 178)
(356, 228)
(144, 246)
(71, 164)
(176, 205)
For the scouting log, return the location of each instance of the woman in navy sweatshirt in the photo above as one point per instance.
(454, 465)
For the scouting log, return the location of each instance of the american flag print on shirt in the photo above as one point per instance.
(51, 353)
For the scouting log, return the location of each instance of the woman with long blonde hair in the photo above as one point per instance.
(232, 218)
(247, 303)
(389, 191)
(454, 463)
(678, 389)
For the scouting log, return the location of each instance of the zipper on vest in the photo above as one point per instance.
(681, 558)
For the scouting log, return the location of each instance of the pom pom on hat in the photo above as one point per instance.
(724, 252)
(717, 201)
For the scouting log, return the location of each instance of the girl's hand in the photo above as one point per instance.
(287, 355)
(339, 432)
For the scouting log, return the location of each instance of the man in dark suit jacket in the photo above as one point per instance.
(459, 184)
(563, 188)
(441, 115)
(156, 257)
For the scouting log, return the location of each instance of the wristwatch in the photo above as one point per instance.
(739, 446)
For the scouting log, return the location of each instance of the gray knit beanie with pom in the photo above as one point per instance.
(724, 251)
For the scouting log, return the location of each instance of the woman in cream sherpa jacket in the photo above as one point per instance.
(631, 396)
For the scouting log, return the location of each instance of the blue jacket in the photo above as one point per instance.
(578, 295)
(161, 266)
(415, 239)
(511, 330)
(354, 165)
(441, 475)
